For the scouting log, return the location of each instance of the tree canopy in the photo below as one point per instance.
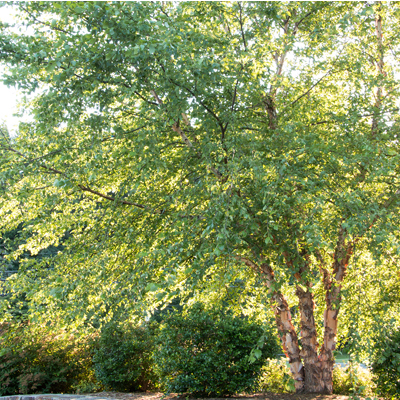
(206, 148)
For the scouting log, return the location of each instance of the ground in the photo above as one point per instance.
(258, 396)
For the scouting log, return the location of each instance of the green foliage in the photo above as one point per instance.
(103, 159)
(17, 302)
(372, 303)
(206, 353)
(42, 359)
(386, 365)
(122, 357)
(275, 377)
(353, 380)
(190, 146)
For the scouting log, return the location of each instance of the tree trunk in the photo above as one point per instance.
(318, 368)
(311, 369)
(313, 382)
(311, 374)
(286, 329)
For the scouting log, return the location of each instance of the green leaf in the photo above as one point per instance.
(152, 287)
(257, 353)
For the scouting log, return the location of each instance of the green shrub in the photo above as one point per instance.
(353, 380)
(122, 357)
(41, 359)
(206, 353)
(275, 377)
(349, 380)
(386, 365)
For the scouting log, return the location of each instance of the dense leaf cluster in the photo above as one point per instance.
(208, 353)
(122, 358)
(42, 359)
(386, 365)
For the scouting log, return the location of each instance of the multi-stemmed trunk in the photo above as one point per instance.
(311, 365)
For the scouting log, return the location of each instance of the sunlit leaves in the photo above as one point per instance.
(119, 86)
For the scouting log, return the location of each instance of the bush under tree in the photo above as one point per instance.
(207, 353)
(122, 357)
(42, 359)
(386, 365)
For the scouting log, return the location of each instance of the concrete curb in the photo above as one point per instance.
(53, 397)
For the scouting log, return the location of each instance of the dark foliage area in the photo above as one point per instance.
(386, 365)
(122, 357)
(206, 353)
(42, 360)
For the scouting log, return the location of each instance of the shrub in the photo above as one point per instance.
(386, 365)
(349, 380)
(206, 353)
(275, 377)
(122, 357)
(352, 379)
(41, 359)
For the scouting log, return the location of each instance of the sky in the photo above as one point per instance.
(8, 106)
(8, 96)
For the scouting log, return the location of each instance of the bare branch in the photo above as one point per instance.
(241, 26)
(311, 88)
(81, 187)
(297, 24)
(249, 263)
(154, 94)
(144, 99)
(104, 196)
(177, 129)
(185, 119)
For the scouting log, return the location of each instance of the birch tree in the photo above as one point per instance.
(183, 145)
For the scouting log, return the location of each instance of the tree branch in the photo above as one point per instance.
(311, 88)
(241, 26)
(81, 187)
(104, 196)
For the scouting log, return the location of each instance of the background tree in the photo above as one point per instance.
(186, 146)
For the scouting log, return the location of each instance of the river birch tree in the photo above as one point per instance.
(179, 144)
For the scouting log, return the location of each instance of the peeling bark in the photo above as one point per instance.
(283, 321)
(332, 286)
(271, 111)
(311, 371)
(313, 382)
(286, 329)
